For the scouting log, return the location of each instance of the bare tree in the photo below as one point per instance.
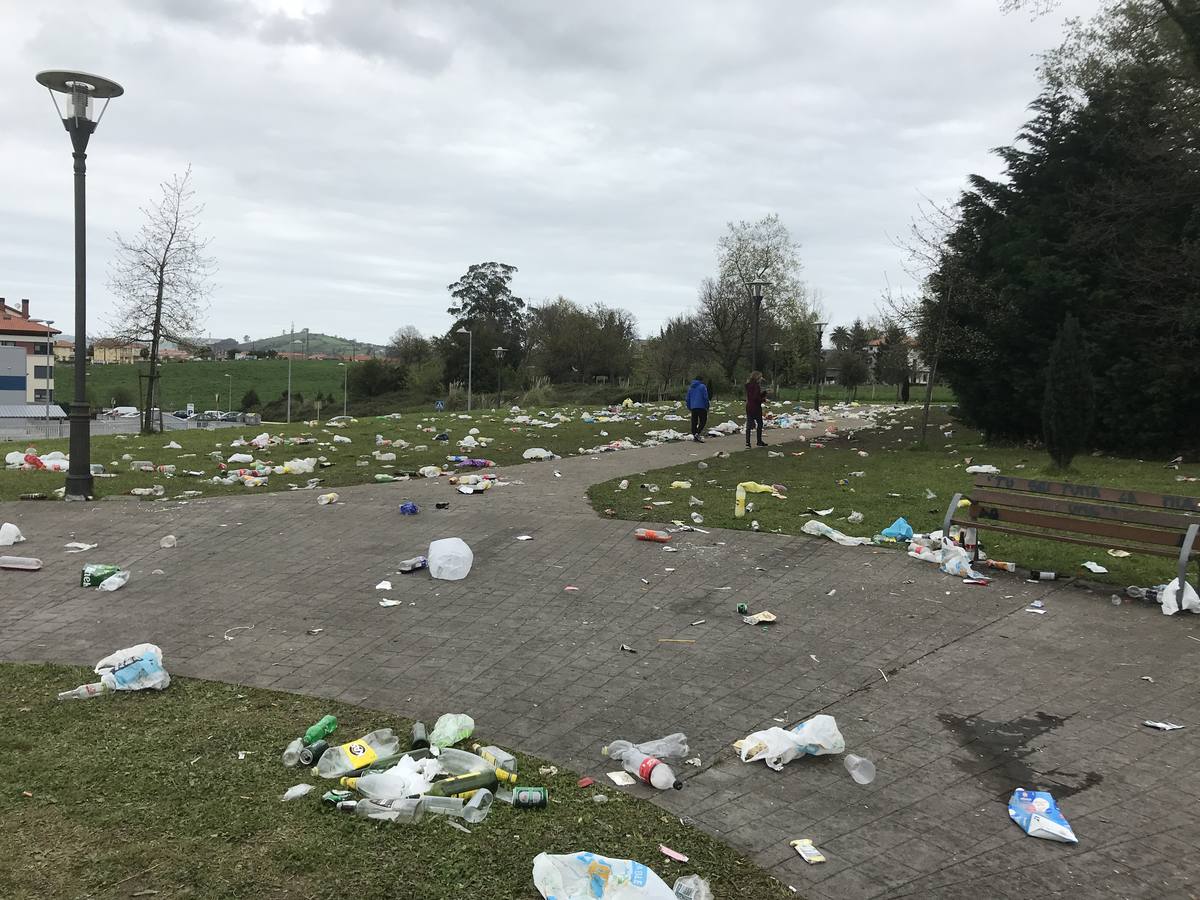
(160, 277)
(724, 326)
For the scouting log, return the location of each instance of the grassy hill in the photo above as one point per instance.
(328, 344)
(202, 382)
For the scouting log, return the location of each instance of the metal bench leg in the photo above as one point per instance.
(950, 515)
(1185, 555)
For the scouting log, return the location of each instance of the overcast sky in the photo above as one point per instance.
(356, 156)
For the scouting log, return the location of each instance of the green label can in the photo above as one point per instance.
(94, 573)
(530, 797)
(742, 608)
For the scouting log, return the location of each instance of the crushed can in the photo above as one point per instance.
(94, 573)
(530, 798)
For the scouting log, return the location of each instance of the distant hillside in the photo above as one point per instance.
(317, 343)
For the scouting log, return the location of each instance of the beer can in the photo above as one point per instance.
(530, 797)
(743, 609)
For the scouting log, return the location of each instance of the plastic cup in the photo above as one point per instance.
(861, 769)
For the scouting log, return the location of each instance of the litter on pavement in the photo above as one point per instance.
(1039, 816)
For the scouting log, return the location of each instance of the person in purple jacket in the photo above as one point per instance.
(755, 395)
(697, 402)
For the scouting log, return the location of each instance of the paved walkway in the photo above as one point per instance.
(955, 692)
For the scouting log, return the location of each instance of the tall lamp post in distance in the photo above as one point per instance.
(46, 368)
(290, 351)
(775, 367)
(470, 359)
(756, 287)
(230, 383)
(499, 351)
(80, 90)
(345, 385)
(818, 376)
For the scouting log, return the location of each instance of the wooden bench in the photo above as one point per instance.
(1137, 521)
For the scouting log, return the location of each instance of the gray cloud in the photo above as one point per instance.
(355, 157)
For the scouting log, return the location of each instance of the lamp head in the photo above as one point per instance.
(79, 89)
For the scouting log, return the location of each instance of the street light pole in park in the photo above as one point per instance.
(46, 368)
(756, 287)
(470, 359)
(775, 367)
(499, 351)
(80, 89)
(290, 351)
(818, 374)
(345, 385)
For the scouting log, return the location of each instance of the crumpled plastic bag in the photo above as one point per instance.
(751, 487)
(136, 668)
(899, 530)
(1170, 598)
(956, 561)
(982, 470)
(1038, 815)
(817, 528)
(537, 453)
(450, 559)
(10, 534)
(777, 747)
(587, 876)
(451, 728)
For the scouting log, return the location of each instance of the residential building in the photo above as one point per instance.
(64, 351)
(34, 339)
(116, 350)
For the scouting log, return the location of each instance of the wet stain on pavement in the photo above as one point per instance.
(1001, 755)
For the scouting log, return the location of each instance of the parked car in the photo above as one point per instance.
(231, 417)
(183, 414)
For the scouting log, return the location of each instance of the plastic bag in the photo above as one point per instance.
(10, 534)
(956, 561)
(1038, 815)
(1169, 598)
(777, 747)
(114, 582)
(136, 668)
(819, 529)
(450, 559)
(739, 495)
(692, 887)
(586, 876)
(899, 530)
(451, 728)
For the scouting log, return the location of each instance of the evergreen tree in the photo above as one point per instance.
(250, 401)
(1069, 407)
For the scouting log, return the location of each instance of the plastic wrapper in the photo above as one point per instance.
(777, 747)
(1038, 815)
(587, 876)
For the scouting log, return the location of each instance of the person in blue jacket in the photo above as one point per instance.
(697, 402)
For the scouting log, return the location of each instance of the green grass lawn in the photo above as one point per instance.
(204, 383)
(896, 476)
(138, 795)
(510, 442)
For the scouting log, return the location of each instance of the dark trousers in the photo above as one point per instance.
(753, 420)
(699, 420)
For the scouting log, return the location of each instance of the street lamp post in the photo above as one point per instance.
(293, 343)
(819, 377)
(499, 351)
(80, 89)
(470, 359)
(345, 385)
(230, 383)
(756, 287)
(46, 369)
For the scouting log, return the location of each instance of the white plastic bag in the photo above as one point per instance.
(779, 746)
(450, 559)
(586, 876)
(1170, 598)
(10, 534)
(135, 668)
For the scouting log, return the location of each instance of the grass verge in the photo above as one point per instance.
(132, 794)
(896, 475)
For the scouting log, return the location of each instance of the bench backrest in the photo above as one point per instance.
(1120, 516)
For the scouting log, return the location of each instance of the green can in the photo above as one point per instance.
(743, 609)
(530, 797)
(94, 573)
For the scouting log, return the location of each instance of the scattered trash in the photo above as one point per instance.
(672, 854)
(451, 728)
(295, 791)
(387, 603)
(697, 518)
(692, 887)
(1038, 815)
(1169, 598)
(1162, 726)
(229, 637)
(628, 649)
(861, 769)
(21, 563)
(10, 534)
(739, 502)
(1095, 567)
(450, 559)
(820, 529)
(586, 781)
(699, 621)
(1119, 554)
(1148, 678)
(778, 746)
(326, 499)
(570, 587)
(621, 778)
(855, 518)
(930, 495)
(314, 631)
(79, 547)
(115, 581)
(383, 586)
(760, 618)
(575, 876)
(649, 534)
(982, 470)
(808, 852)
(168, 541)
(899, 530)
(548, 771)
(136, 668)
(524, 537)
(356, 754)
(408, 508)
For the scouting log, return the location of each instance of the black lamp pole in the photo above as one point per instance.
(820, 361)
(756, 287)
(80, 89)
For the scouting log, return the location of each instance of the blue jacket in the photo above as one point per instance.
(697, 395)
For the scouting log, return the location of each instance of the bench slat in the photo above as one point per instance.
(986, 514)
(1062, 538)
(1091, 492)
(1082, 508)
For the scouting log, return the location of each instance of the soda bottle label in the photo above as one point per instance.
(646, 768)
(359, 754)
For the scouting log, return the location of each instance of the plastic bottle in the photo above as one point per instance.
(649, 534)
(291, 753)
(313, 752)
(443, 806)
(418, 738)
(358, 754)
(477, 807)
(501, 759)
(412, 565)
(322, 728)
(399, 810)
(84, 691)
(647, 769)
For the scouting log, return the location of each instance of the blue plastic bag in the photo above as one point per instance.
(1038, 815)
(408, 508)
(899, 530)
